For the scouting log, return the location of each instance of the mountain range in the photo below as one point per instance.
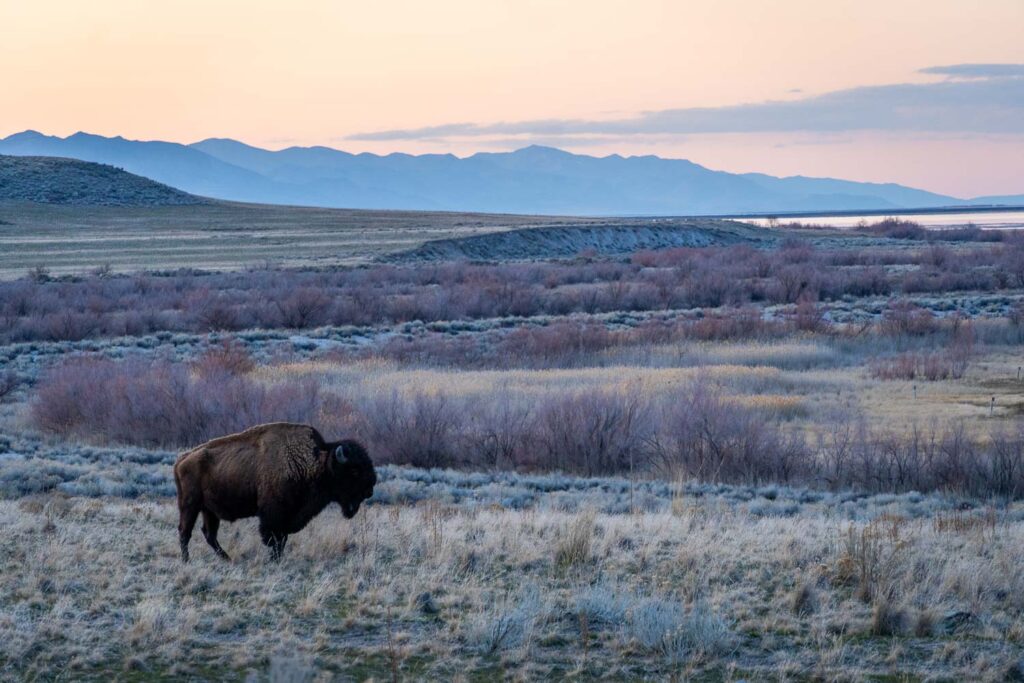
(533, 180)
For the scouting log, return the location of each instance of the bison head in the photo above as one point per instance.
(354, 476)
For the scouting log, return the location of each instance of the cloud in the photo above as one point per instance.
(979, 98)
(560, 141)
(976, 70)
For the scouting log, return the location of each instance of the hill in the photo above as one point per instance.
(570, 240)
(999, 200)
(50, 180)
(176, 165)
(533, 180)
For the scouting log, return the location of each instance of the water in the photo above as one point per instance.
(988, 220)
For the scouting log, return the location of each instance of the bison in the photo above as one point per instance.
(283, 473)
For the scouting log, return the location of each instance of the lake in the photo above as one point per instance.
(989, 220)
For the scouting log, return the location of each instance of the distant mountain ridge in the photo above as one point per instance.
(532, 180)
(54, 180)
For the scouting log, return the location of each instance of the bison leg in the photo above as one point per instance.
(274, 540)
(187, 515)
(211, 523)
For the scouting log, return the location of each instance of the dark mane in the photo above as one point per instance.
(354, 451)
(318, 439)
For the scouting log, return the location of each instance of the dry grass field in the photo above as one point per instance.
(222, 235)
(94, 590)
(805, 382)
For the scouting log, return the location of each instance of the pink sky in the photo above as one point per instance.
(276, 74)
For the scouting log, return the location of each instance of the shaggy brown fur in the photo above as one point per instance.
(283, 473)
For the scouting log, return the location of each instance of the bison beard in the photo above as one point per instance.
(283, 473)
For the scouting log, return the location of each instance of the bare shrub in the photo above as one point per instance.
(102, 271)
(951, 363)
(304, 307)
(39, 274)
(961, 347)
(708, 288)
(742, 323)
(563, 339)
(9, 382)
(160, 404)
(431, 349)
(229, 357)
(903, 318)
(1016, 314)
(69, 325)
(104, 304)
(499, 434)
(593, 432)
(709, 438)
(900, 367)
(418, 430)
(808, 316)
(896, 228)
(794, 282)
(935, 367)
(694, 433)
(214, 313)
(1003, 471)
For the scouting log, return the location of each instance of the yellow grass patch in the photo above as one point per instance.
(811, 396)
(783, 406)
(381, 376)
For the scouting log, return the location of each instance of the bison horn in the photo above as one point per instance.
(340, 454)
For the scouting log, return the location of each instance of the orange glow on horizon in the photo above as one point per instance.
(276, 74)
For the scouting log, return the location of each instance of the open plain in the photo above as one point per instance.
(220, 235)
(793, 457)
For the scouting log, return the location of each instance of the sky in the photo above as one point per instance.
(924, 93)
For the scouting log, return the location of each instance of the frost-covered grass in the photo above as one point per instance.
(92, 589)
(30, 467)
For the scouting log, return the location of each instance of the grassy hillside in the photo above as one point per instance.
(51, 180)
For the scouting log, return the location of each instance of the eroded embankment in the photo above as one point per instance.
(568, 241)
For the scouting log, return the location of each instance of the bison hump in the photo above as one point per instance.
(295, 448)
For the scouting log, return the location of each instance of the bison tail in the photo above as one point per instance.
(177, 479)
